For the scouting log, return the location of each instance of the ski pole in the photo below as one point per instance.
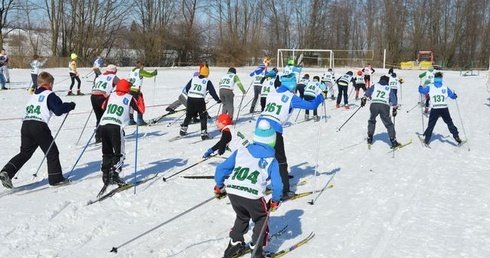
(327, 185)
(184, 169)
(88, 74)
(299, 111)
(115, 249)
(50, 146)
(85, 125)
(324, 110)
(338, 130)
(462, 125)
(136, 157)
(83, 151)
(416, 105)
(240, 105)
(422, 112)
(262, 232)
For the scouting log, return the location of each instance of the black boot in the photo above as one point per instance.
(131, 119)
(116, 179)
(394, 143)
(234, 248)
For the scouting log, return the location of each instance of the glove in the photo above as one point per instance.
(72, 105)
(272, 205)
(208, 153)
(394, 112)
(363, 101)
(219, 101)
(155, 73)
(420, 88)
(455, 96)
(219, 192)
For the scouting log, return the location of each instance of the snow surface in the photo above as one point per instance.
(417, 202)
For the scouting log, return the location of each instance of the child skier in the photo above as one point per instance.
(343, 83)
(258, 74)
(328, 79)
(36, 133)
(196, 90)
(313, 89)
(136, 78)
(427, 78)
(280, 104)
(439, 92)
(360, 84)
(380, 105)
(230, 139)
(368, 71)
(226, 86)
(35, 66)
(103, 86)
(72, 66)
(112, 123)
(252, 167)
(269, 82)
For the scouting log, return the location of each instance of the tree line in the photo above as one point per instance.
(237, 32)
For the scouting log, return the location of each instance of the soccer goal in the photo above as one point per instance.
(306, 57)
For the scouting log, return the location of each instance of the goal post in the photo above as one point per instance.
(310, 57)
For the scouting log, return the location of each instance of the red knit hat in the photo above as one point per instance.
(225, 119)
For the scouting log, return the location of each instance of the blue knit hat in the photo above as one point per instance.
(264, 133)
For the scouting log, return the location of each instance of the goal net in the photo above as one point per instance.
(306, 57)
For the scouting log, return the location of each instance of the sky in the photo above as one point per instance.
(415, 202)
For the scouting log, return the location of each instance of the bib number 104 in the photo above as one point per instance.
(242, 174)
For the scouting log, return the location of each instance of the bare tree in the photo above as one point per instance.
(5, 7)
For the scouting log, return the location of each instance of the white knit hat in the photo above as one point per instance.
(264, 133)
(111, 68)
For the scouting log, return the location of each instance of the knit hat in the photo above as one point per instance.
(73, 56)
(264, 133)
(123, 86)
(225, 119)
(204, 71)
(232, 70)
(111, 68)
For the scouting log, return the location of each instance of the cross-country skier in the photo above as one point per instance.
(249, 170)
(136, 78)
(230, 139)
(368, 70)
(439, 93)
(280, 105)
(427, 78)
(112, 123)
(328, 78)
(197, 89)
(103, 86)
(226, 87)
(313, 89)
(36, 133)
(343, 85)
(382, 96)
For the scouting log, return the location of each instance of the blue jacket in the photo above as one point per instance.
(437, 84)
(296, 102)
(259, 151)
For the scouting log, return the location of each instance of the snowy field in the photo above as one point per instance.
(417, 202)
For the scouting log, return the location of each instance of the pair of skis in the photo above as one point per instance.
(103, 196)
(282, 252)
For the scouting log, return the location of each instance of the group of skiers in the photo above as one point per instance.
(245, 174)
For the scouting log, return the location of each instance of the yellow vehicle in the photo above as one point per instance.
(424, 60)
